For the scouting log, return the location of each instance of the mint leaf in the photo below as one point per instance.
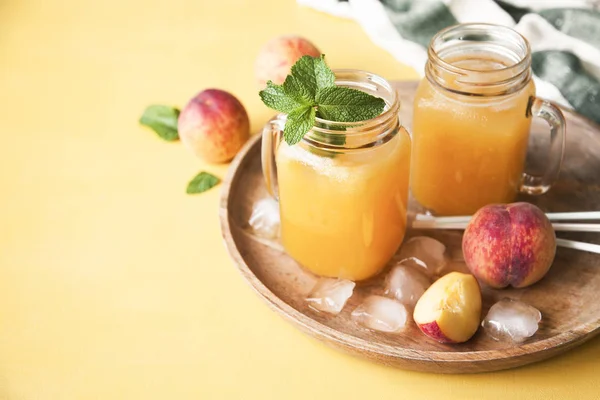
(277, 98)
(162, 120)
(343, 104)
(298, 123)
(313, 74)
(298, 91)
(202, 182)
(323, 74)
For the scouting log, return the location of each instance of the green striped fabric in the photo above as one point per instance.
(565, 71)
(418, 22)
(578, 23)
(565, 41)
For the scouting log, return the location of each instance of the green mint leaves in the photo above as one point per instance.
(312, 74)
(202, 182)
(162, 120)
(276, 97)
(310, 92)
(347, 105)
(298, 123)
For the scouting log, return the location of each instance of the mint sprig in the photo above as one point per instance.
(309, 92)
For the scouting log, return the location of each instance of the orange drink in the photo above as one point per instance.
(344, 216)
(343, 189)
(470, 152)
(471, 121)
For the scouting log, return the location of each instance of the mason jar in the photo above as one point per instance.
(343, 189)
(471, 122)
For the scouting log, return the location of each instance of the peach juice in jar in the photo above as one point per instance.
(343, 188)
(471, 122)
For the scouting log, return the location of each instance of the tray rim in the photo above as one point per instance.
(537, 351)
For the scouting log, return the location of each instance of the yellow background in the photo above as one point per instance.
(115, 284)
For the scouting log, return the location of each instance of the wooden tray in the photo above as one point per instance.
(567, 296)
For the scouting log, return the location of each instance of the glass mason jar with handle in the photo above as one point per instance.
(343, 188)
(472, 117)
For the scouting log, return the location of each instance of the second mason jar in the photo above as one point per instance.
(472, 116)
(343, 189)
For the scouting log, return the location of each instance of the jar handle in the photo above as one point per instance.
(271, 137)
(535, 185)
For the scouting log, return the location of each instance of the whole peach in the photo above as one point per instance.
(214, 125)
(509, 244)
(276, 57)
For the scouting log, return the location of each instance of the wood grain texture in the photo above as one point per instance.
(567, 296)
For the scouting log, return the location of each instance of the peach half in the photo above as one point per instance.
(450, 310)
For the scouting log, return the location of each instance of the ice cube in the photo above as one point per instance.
(381, 314)
(330, 295)
(406, 284)
(425, 252)
(264, 219)
(511, 319)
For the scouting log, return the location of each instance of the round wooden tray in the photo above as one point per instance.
(567, 296)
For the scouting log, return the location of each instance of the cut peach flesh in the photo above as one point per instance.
(453, 303)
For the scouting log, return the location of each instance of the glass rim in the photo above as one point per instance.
(475, 38)
(525, 59)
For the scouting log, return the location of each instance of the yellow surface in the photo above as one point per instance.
(114, 284)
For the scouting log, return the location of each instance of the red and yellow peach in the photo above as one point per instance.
(276, 57)
(450, 310)
(214, 125)
(509, 244)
